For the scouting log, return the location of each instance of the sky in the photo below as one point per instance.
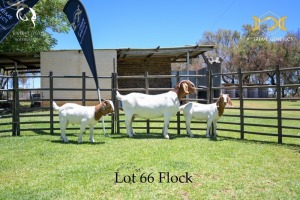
(171, 23)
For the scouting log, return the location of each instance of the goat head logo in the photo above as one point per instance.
(19, 15)
(20, 6)
(76, 18)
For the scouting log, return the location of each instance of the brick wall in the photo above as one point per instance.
(130, 67)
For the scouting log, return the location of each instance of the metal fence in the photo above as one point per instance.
(21, 114)
(16, 118)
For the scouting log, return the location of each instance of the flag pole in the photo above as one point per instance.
(99, 98)
(78, 18)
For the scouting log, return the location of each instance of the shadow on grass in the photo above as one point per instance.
(42, 132)
(6, 135)
(138, 136)
(293, 146)
(71, 142)
(59, 141)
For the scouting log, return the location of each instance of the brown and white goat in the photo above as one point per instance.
(154, 106)
(72, 113)
(208, 112)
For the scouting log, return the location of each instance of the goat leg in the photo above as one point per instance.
(209, 122)
(188, 128)
(215, 128)
(129, 128)
(82, 130)
(166, 126)
(91, 133)
(63, 127)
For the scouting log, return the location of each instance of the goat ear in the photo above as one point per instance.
(229, 102)
(103, 108)
(185, 87)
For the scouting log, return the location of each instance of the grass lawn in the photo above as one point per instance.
(37, 165)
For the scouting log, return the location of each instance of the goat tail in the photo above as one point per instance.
(55, 106)
(119, 96)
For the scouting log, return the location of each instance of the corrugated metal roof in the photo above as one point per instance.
(24, 61)
(174, 53)
(31, 61)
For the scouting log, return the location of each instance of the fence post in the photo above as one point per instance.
(113, 99)
(16, 118)
(117, 113)
(178, 113)
(278, 98)
(51, 102)
(83, 89)
(147, 92)
(241, 103)
(209, 86)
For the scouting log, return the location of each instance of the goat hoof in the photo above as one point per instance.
(191, 135)
(208, 136)
(64, 140)
(131, 136)
(167, 137)
(92, 141)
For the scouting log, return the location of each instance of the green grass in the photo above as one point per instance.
(41, 167)
(38, 165)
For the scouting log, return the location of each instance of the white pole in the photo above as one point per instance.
(99, 98)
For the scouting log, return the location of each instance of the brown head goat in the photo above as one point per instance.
(71, 113)
(154, 106)
(208, 112)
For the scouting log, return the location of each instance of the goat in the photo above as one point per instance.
(154, 106)
(209, 112)
(71, 113)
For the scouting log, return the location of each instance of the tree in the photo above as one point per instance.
(291, 58)
(27, 38)
(224, 41)
(254, 52)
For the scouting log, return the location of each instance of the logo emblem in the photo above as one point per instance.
(272, 21)
(19, 15)
(76, 18)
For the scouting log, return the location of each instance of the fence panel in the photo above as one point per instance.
(242, 124)
(22, 114)
(244, 118)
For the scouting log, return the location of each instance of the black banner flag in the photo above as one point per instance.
(11, 12)
(80, 24)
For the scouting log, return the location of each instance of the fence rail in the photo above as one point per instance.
(16, 118)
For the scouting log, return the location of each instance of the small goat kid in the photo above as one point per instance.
(209, 112)
(154, 106)
(71, 113)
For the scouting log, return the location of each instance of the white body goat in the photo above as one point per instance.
(208, 112)
(71, 113)
(154, 106)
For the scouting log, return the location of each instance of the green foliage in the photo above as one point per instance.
(253, 50)
(26, 38)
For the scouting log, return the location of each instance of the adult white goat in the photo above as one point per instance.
(154, 106)
(72, 113)
(209, 112)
